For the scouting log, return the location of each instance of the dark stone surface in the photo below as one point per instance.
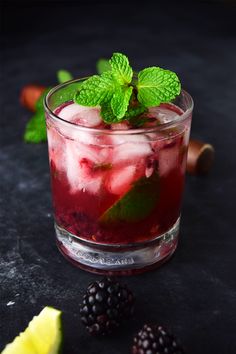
(195, 292)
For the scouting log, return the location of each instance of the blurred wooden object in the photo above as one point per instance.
(200, 157)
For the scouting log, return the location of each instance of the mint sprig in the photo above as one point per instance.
(111, 90)
(123, 94)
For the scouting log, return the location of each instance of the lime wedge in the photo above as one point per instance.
(136, 204)
(42, 336)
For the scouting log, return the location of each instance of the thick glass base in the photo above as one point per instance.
(117, 259)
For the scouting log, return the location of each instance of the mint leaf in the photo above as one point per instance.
(135, 111)
(63, 76)
(121, 69)
(103, 65)
(108, 115)
(120, 101)
(156, 85)
(36, 129)
(90, 92)
(136, 204)
(96, 90)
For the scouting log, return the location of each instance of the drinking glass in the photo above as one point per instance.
(117, 192)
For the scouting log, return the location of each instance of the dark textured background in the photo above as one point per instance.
(195, 292)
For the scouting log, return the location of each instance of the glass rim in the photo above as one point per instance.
(160, 127)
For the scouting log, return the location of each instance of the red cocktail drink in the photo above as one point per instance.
(117, 188)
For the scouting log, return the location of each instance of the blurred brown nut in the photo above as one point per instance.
(200, 157)
(29, 96)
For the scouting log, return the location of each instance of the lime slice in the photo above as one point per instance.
(42, 336)
(136, 204)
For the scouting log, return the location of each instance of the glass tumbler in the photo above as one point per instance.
(117, 192)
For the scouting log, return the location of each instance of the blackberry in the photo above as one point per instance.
(153, 339)
(106, 304)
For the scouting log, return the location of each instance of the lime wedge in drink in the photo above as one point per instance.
(136, 204)
(42, 336)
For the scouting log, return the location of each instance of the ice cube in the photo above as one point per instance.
(53, 138)
(156, 140)
(93, 153)
(165, 112)
(79, 169)
(130, 147)
(76, 133)
(120, 179)
(81, 162)
(72, 166)
(92, 184)
(168, 158)
(81, 115)
(56, 147)
(151, 165)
